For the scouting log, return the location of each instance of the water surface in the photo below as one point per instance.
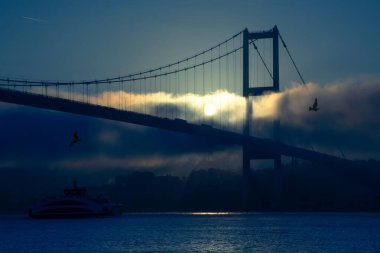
(244, 232)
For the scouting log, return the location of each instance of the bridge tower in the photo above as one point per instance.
(248, 92)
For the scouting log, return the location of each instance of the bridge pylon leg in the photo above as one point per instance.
(246, 161)
(277, 162)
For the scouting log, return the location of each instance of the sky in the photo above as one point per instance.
(335, 45)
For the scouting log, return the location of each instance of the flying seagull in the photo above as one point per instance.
(315, 106)
(75, 139)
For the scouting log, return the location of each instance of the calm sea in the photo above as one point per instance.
(245, 232)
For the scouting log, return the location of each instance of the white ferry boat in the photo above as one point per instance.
(74, 204)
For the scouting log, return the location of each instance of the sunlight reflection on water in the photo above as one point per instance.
(214, 213)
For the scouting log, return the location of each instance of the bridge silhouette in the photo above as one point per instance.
(208, 94)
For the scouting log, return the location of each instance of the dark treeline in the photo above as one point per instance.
(307, 187)
(202, 190)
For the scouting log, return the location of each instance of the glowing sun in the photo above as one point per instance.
(210, 110)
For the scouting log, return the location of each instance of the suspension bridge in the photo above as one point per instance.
(208, 94)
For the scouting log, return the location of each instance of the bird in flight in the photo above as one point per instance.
(315, 106)
(75, 139)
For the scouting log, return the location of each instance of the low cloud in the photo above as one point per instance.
(192, 107)
(347, 121)
(346, 125)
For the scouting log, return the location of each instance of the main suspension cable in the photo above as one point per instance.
(291, 58)
(20, 83)
(117, 79)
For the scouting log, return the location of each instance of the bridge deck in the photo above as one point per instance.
(258, 147)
